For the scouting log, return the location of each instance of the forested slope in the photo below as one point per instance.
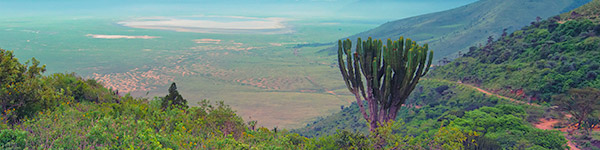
(538, 61)
(64, 111)
(448, 32)
(533, 64)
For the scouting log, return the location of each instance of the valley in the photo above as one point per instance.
(186, 74)
(251, 72)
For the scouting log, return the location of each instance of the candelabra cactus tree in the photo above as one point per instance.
(390, 72)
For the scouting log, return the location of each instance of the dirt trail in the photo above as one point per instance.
(485, 92)
(545, 124)
(548, 124)
(499, 96)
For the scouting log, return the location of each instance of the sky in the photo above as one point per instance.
(378, 11)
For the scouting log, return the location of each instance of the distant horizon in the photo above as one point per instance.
(244, 53)
(376, 12)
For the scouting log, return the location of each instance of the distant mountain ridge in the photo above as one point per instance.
(454, 30)
(386, 10)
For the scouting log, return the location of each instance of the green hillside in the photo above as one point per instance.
(64, 111)
(541, 60)
(459, 105)
(454, 30)
(437, 103)
(535, 63)
(434, 99)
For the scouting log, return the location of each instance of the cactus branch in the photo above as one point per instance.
(391, 72)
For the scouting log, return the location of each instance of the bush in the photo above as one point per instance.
(20, 87)
(13, 139)
(174, 99)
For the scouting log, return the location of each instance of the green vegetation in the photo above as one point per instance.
(428, 103)
(391, 72)
(582, 104)
(25, 91)
(498, 123)
(504, 126)
(88, 115)
(263, 77)
(588, 11)
(451, 31)
(544, 59)
(19, 87)
(246, 71)
(124, 122)
(173, 99)
(536, 63)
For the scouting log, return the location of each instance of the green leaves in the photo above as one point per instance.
(174, 99)
(13, 139)
(541, 60)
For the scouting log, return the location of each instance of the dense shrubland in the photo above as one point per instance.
(537, 63)
(544, 59)
(437, 103)
(64, 111)
(551, 62)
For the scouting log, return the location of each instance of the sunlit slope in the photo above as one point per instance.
(450, 31)
(539, 61)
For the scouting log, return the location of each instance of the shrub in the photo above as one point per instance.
(12, 139)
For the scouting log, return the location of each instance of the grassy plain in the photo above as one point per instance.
(262, 76)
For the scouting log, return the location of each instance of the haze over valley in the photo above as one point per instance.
(245, 53)
(300, 74)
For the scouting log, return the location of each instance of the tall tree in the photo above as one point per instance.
(391, 72)
(20, 86)
(580, 103)
(174, 98)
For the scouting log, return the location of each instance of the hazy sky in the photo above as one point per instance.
(372, 10)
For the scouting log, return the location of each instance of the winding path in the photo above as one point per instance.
(548, 124)
(545, 124)
(499, 96)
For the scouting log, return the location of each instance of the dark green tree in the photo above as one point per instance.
(580, 103)
(174, 98)
(79, 91)
(391, 72)
(20, 86)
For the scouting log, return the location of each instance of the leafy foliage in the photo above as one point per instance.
(78, 113)
(75, 113)
(21, 88)
(454, 30)
(588, 11)
(80, 89)
(432, 102)
(63, 111)
(174, 99)
(143, 124)
(544, 59)
(499, 124)
(581, 104)
(444, 109)
(12, 139)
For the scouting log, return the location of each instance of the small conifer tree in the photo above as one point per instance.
(174, 98)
